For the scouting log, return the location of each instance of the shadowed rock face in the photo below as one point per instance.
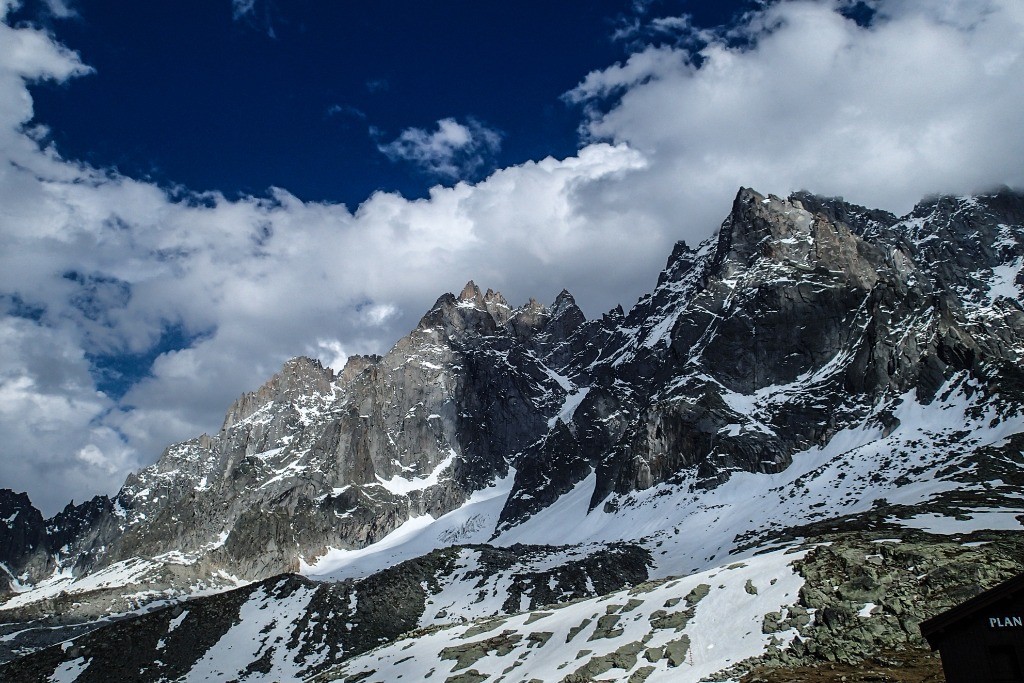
(22, 532)
(799, 318)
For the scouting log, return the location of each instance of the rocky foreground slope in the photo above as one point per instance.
(816, 371)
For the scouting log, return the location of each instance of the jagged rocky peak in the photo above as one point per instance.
(355, 365)
(495, 297)
(488, 313)
(787, 301)
(566, 317)
(680, 261)
(861, 220)
(302, 373)
(470, 312)
(564, 302)
(560, 319)
(472, 294)
(300, 376)
(491, 301)
(533, 307)
(614, 316)
(785, 232)
(972, 245)
(957, 217)
(529, 318)
(69, 524)
(498, 307)
(12, 505)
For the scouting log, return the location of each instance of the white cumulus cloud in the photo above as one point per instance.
(922, 100)
(453, 150)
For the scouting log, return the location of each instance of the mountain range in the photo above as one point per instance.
(804, 441)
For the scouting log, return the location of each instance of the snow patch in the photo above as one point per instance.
(986, 519)
(402, 486)
(263, 631)
(473, 522)
(569, 405)
(1004, 281)
(176, 621)
(69, 671)
(124, 573)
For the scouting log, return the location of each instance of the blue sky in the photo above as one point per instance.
(301, 95)
(193, 192)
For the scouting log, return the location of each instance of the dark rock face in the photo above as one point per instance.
(790, 324)
(28, 543)
(22, 534)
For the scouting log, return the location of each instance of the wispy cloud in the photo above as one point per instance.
(243, 8)
(61, 9)
(453, 150)
(346, 111)
(256, 13)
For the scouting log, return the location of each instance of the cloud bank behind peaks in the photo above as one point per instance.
(921, 100)
(132, 315)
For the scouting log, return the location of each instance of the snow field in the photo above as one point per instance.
(638, 628)
(474, 522)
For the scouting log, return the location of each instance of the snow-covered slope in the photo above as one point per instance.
(442, 616)
(672, 630)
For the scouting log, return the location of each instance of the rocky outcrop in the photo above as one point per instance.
(868, 595)
(299, 378)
